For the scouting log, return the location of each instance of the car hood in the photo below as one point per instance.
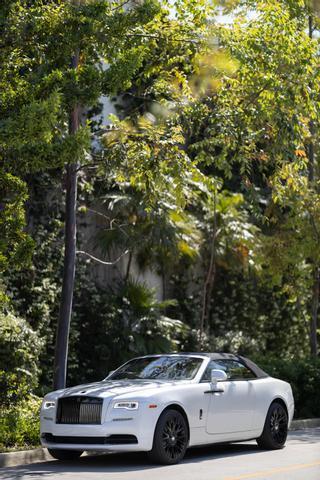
(109, 388)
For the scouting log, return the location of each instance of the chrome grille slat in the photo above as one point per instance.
(79, 410)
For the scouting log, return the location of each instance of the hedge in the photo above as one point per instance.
(304, 377)
(20, 425)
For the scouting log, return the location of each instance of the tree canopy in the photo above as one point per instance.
(206, 177)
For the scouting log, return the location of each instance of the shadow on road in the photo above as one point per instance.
(121, 463)
(135, 462)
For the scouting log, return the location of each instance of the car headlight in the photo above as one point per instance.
(46, 404)
(127, 405)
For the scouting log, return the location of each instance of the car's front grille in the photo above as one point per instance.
(111, 440)
(79, 410)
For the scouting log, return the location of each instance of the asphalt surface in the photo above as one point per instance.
(300, 459)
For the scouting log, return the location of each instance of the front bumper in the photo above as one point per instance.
(124, 431)
(105, 443)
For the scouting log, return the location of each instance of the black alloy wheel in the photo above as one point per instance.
(279, 425)
(275, 430)
(170, 438)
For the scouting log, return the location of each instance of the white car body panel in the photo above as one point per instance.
(237, 413)
(269, 390)
(232, 410)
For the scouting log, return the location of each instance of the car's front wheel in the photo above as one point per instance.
(170, 438)
(275, 429)
(65, 455)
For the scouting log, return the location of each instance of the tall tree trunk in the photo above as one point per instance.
(314, 312)
(62, 339)
(316, 272)
(210, 278)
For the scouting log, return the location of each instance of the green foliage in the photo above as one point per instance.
(264, 109)
(297, 8)
(277, 91)
(19, 354)
(236, 236)
(147, 154)
(304, 377)
(260, 125)
(39, 88)
(246, 125)
(128, 322)
(157, 238)
(293, 246)
(15, 244)
(32, 125)
(206, 166)
(20, 425)
(34, 291)
(247, 315)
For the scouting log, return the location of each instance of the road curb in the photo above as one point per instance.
(306, 423)
(25, 457)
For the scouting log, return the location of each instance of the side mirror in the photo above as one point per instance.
(218, 376)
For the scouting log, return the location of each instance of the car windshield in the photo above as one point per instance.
(159, 368)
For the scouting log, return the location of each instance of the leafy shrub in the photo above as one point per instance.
(112, 327)
(19, 352)
(304, 377)
(19, 424)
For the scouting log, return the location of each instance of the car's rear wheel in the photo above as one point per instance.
(65, 455)
(275, 429)
(170, 438)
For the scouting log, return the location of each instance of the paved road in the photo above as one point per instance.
(300, 460)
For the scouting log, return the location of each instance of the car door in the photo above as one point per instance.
(231, 408)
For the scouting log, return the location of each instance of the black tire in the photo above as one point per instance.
(171, 438)
(65, 455)
(275, 429)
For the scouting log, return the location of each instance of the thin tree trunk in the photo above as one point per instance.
(163, 279)
(314, 312)
(209, 282)
(316, 273)
(316, 280)
(62, 339)
(129, 266)
(311, 125)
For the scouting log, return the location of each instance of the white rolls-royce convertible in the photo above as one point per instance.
(163, 404)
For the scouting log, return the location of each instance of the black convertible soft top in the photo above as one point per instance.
(248, 363)
(230, 356)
